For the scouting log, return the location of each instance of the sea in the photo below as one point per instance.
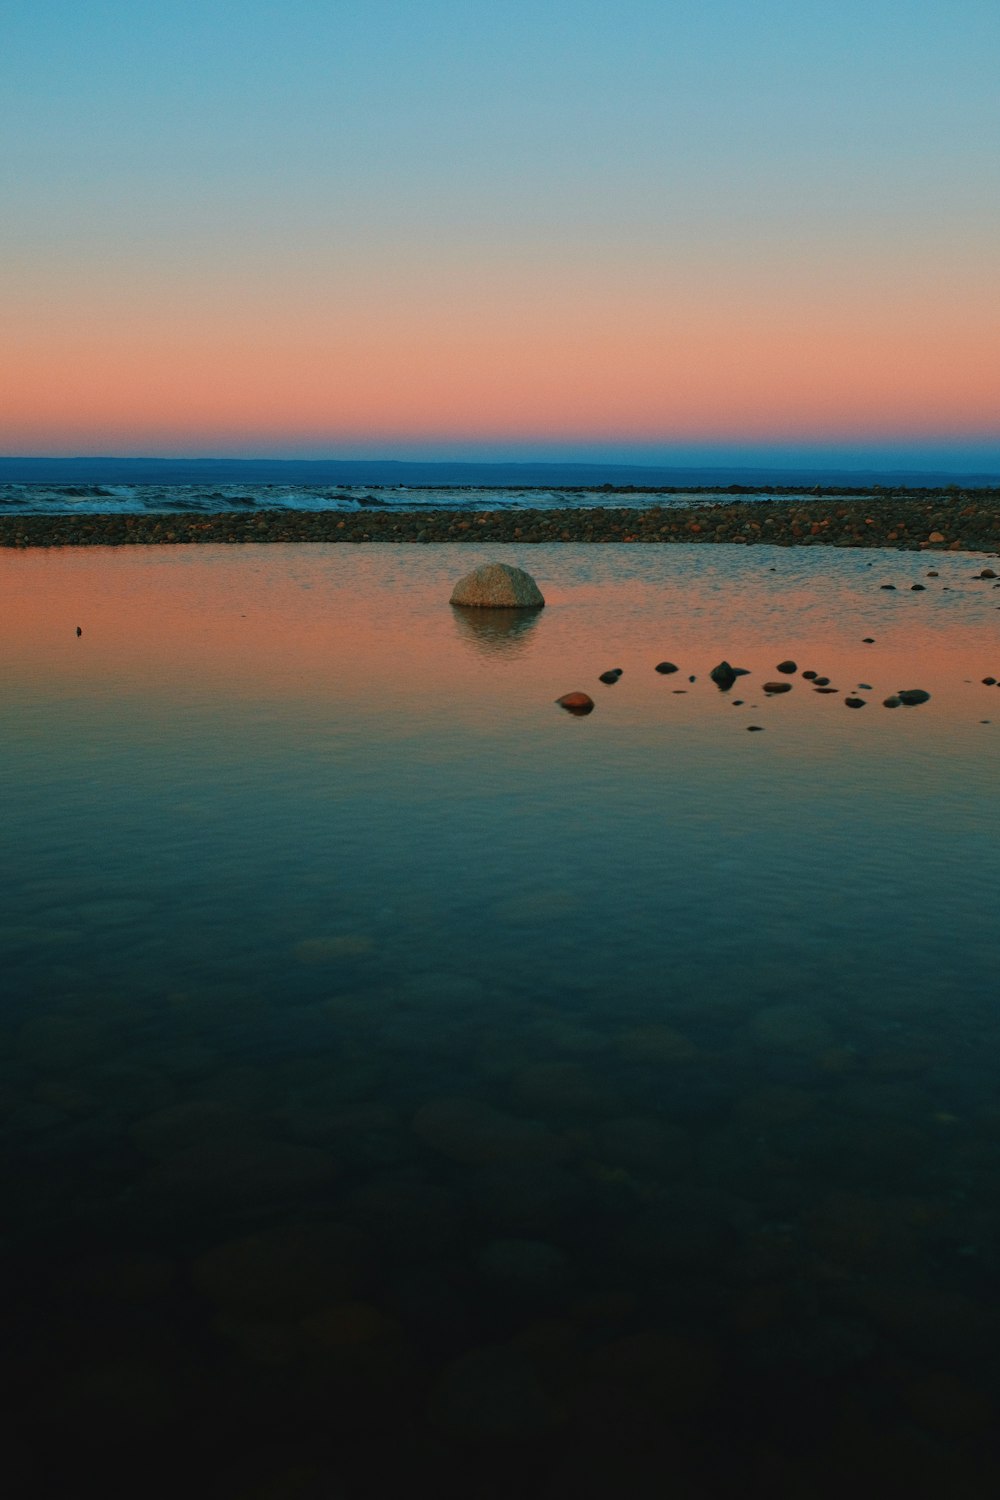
(142, 499)
(410, 1087)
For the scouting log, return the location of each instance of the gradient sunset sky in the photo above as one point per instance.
(650, 230)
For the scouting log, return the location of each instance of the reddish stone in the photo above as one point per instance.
(576, 703)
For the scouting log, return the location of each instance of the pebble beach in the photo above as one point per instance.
(913, 520)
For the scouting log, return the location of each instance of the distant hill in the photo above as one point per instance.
(335, 471)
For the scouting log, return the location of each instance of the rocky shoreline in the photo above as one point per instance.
(935, 521)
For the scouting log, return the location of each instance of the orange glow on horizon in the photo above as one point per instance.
(650, 362)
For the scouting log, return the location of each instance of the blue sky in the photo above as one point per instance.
(659, 200)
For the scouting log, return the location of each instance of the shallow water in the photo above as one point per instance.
(406, 1078)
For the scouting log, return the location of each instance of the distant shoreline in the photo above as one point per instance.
(790, 474)
(933, 521)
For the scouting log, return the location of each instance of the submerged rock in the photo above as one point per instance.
(912, 696)
(497, 586)
(777, 687)
(611, 676)
(665, 667)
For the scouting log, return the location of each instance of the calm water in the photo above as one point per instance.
(405, 1081)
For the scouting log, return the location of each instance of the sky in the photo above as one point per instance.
(690, 229)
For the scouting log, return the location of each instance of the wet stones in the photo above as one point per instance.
(665, 668)
(468, 1131)
(788, 667)
(610, 676)
(910, 697)
(773, 688)
(723, 676)
(577, 704)
(855, 702)
(497, 586)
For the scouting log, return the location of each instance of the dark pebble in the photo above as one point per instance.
(822, 682)
(865, 686)
(827, 690)
(887, 586)
(989, 681)
(987, 573)
(79, 631)
(855, 702)
(810, 675)
(755, 728)
(666, 667)
(917, 588)
(868, 640)
(611, 676)
(892, 702)
(786, 666)
(912, 696)
(777, 687)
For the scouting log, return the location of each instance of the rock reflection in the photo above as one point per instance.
(496, 631)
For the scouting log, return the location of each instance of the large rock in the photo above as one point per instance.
(498, 586)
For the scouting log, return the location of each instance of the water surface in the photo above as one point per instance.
(403, 1077)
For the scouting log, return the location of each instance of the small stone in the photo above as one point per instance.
(822, 682)
(933, 573)
(520, 1263)
(786, 666)
(912, 696)
(868, 640)
(826, 690)
(492, 1393)
(723, 676)
(611, 676)
(892, 702)
(987, 573)
(777, 687)
(576, 703)
(917, 588)
(989, 681)
(936, 536)
(855, 702)
(666, 667)
(887, 586)
(497, 586)
(809, 676)
(755, 728)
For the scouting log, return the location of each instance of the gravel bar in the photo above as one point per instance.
(932, 521)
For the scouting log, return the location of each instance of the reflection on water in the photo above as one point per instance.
(496, 630)
(407, 1082)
